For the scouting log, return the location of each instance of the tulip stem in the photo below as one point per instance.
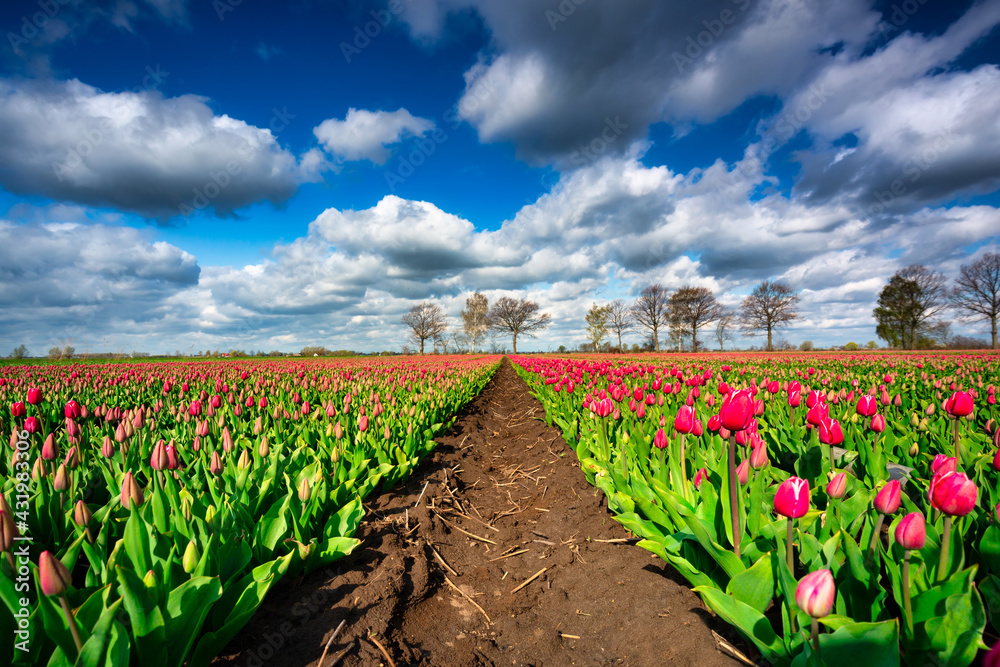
(789, 548)
(907, 607)
(945, 548)
(875, 535)
(684, 476)
(733, 498)
(815, 641)
(72, 623)
(958, 452)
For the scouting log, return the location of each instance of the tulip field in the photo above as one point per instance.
(834, 509)
(147, 508)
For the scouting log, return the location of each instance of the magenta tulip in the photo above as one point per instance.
(684, 421)
(737, 412)
(837, 486)
(888, 498)
(52, 574)
(959, 404)
(816, 593)
(867, 406)
(34, 396)
(953, 493)
(911, 531)
(792, 498)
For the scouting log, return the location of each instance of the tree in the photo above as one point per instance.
(597, 324)
(650, 311)
(871, 345)
(475, 318)
(68, 352)
(806, 346)
(55, 353)
(910, 299)
(518, 317)
(852, 347)
(426, 322)
(19, 352)
(620, 319)
(770, 306)
(692, 308)
(977, 291)
(724, 325)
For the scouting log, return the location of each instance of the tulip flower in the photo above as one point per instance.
(867, 406)
(960, 404)
(18, 409)
(50, 451)
(837, 486)
(911, 534)
(886, 501)
(953, 494)
(943, 463)
(34, 396)
(61, 480)
(743, 472)
(737, 412)
(814, 398)
(791, 500)
(131, 494)
(215, 466)
(996, 459)
(830, 432)
(877, 424)
(758, 457)
(817, 414)
(72, 410)
(55, 579)
(173, 461)
(684, 421)
(700, 477)
(815, 595)
(32, 425)
(191, 557)
(8, 535)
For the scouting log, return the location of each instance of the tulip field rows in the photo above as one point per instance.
(728, 467)
(148, 508)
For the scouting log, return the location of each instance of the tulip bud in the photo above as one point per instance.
(264, 448)
(53, 575)
(215, 466)
(878, 423)
(911, 531)
(244, 461)
(363, 424)
(792, 498)
(131, 493)
(150, 580)
(61, 480)
(210, 515)
(158, 459)
(743, 471)
(888, 498)
(335, 454)
(700, 477)
(107, 449)
(50, 451)
(758, 457)
(338, 431)
(191, 557)
(304, 491)
(816, 593)
(660, 440)
(8, 531)
(914, 449)
(186, 506)
(82, 515)
(837, 486)
(173, 460)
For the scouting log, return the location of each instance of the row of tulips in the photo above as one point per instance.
(861, 529)
(146, 509)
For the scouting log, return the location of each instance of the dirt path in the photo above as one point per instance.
(504, 501)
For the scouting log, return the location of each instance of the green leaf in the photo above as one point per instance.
(750, 622)
(755, 585)
(146, 617)
(187, 607)
(858, 645)
(957, 635)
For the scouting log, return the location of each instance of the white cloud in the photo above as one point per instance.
(137, 152)
(365, 135)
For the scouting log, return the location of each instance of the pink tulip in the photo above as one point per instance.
(758, 457)
(866, 406)
(684, 421)
(830, 432)
(131, 493)
(700, 477)
(837, 486)
(888, 498)
(53, 575)
(34, 396)
(18, 409)
(959, 404)
(50, 451)
(943, 463)
(953, 493)
(32, 425)
(792, 498)
(743, 471)
(737, 412)
(660, 440)
(877, 423)
(72, 410)
(911, 531)
(816, 593)
(158, 459)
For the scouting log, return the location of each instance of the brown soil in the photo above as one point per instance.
(501, 483)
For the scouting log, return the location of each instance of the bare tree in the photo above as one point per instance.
(597, 324)
(650, 311)
(691, 308)
(620, 319)
(977, 291)
(426, 322)
(907, 303)
(518, 317)
(724, 325)
(475, 318)
(770, 306)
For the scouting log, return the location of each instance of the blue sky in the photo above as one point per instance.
(192, 174)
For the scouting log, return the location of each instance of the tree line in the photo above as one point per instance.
(679, 315)
(908, 314)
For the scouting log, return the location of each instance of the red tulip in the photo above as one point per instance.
(72, 410)
(953, 493)
(195, 409)
(888, 498)
(817, 414)
(792, 498)
(660, 440)
(50, 451)
(737, 412)
(866, 406)
(996, 459)
(758, 457)
(815, 398)
(18, 409)
(700, 477)
(830, 432)
(943, 463)
(363, 423)
(53, 575)
(34, 396)
(959, 404)
(877, 423)
(684, 421)
(32, 425)
(816, 593)
(911, 531)
(794, 398)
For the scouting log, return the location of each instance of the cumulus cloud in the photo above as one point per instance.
(136, 151)
(366, 135)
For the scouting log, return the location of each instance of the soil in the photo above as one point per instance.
(448, 569)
